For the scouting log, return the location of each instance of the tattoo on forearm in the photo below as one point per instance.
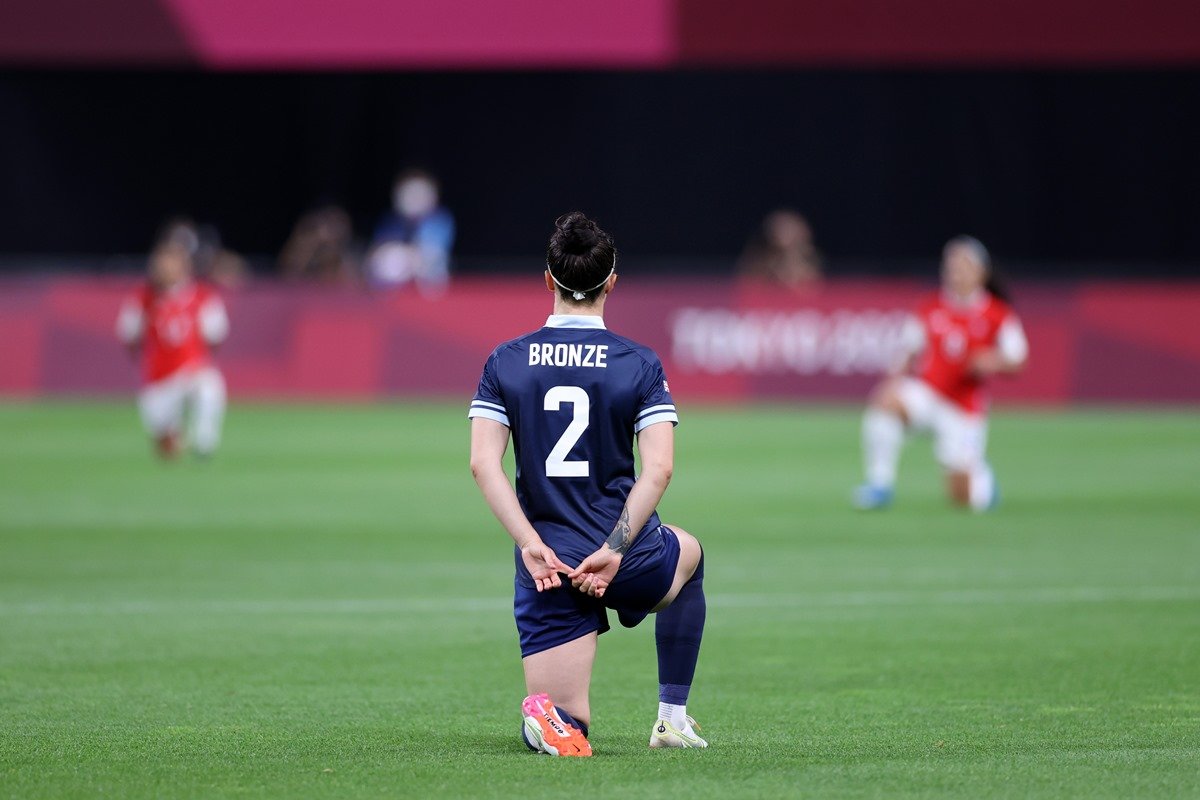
(621, 536)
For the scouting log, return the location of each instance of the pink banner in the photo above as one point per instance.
(348, 34)
(719, 340)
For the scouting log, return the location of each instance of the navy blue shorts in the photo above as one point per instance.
(557, 616)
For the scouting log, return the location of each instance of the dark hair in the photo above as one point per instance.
(994, 283)
(580, 257)
(411, 173)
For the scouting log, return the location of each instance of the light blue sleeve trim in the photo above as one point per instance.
(655, 409)
(487, 413)
(653, 419)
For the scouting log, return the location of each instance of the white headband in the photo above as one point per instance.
(576, 293)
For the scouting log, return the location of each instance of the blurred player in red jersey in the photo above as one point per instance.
(954, 343)
(174, 322)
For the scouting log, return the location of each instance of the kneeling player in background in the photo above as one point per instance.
(174, 322)
(573, 396)
(957, 340)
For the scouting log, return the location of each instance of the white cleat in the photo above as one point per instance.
(667, 735)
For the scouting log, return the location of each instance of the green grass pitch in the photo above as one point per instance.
(323, 611)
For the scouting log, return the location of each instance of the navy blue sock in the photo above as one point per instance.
(567, 718)
(677, 631)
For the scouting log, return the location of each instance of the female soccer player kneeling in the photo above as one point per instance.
(174, 322)
(956, 341)
(573, 396)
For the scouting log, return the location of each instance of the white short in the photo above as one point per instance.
(163, 403)
(959, 437)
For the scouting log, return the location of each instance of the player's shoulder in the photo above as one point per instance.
(512, 345)
(203, 292)
(142, 294)
(636, 349)
(931, 302)
(999, 309)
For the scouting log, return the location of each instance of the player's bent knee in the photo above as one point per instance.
(886, 397)
(690, 553)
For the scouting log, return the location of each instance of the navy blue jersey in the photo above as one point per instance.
(574, 395)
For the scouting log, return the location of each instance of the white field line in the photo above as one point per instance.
(859, 599)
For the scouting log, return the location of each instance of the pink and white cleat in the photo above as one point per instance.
(547, 732)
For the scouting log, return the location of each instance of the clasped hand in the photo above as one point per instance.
(592, 577)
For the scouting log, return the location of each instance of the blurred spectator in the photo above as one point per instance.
(412, 242)
(782, 251)
(321, 247)
(210, 260)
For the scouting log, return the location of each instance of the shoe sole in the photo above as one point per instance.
(534, 734)
(660, 743)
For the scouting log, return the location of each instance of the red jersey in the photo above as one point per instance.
(175, 328)
(954, 334)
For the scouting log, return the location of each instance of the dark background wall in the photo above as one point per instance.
(1046, 165)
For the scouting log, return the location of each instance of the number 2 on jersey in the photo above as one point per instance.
(557, 465)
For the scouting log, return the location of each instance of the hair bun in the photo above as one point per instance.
(580, 256)
(579, 234)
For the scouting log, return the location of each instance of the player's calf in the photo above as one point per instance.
(678, 631)
(883, 427)
(208, 412)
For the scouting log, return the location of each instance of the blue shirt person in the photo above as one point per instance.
(412, 242)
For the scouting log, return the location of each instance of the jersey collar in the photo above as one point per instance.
(575, 321)
(978, 299)
(183, 289)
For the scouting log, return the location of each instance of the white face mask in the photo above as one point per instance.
(415, 197)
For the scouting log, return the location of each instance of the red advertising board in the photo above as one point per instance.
(719, 340)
